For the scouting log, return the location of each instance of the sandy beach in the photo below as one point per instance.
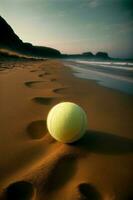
(97, 167)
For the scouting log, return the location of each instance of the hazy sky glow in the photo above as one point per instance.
(73, 26)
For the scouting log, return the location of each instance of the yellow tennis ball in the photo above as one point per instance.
(67, 122)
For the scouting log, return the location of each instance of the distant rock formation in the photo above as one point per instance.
(9, 40)
(88, 54)
(103, 55)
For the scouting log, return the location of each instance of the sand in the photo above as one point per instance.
(35, 166)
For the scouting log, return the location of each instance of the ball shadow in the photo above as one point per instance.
(105, 143)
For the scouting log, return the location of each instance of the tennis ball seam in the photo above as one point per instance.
(49, 126)
(69, 140)
(51, 118)
(81, 130)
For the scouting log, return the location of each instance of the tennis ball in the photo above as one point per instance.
(67, 122)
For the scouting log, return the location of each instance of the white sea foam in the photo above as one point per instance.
(92, 62)
(121, 81)
(118, 67)
(113, 65)
(97, 73)
(130, 64)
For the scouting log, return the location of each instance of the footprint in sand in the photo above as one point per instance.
(34, 70)
(41, 75)
(44, 74)
(59, 90)
(37, 129)
(21, 190)
(35, 84)
(88, 191)
(47, 73)
(53, 79)
(43, 100)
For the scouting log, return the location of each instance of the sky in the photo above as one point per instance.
(73, 26)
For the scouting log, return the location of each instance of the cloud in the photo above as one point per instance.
(90, 3)
(93, 3)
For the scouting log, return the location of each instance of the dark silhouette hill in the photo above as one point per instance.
(103, 55)
(9, 40)
(88, 55)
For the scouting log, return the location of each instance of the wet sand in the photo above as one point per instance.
(97, 167)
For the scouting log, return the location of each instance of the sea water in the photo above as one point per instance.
(112, 74)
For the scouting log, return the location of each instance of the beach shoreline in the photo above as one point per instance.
(101, 162)
(107, 74)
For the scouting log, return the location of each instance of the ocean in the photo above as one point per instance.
(117, 75)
